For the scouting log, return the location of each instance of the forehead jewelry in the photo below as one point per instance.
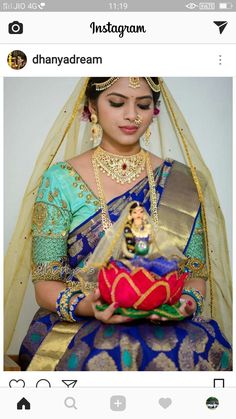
(138, 120)
(134, 82)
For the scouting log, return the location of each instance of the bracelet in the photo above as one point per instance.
(62, 304)
(61, 293)
(72, 307)
(198, 298)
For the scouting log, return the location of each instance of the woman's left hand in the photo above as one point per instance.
(187, 308)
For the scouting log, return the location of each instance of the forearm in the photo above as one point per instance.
(46, 293)
(84, 308)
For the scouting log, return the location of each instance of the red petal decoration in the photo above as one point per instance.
(139, 289)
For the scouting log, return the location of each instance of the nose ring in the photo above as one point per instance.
(138, 120)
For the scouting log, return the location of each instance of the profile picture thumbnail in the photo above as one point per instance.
(212, 402)
(16, 59)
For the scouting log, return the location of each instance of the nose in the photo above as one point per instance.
(130, 112)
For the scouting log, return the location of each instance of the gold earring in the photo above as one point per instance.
(147, 136)
(96, 129)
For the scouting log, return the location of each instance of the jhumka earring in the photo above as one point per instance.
(147, 136)
(96, 129)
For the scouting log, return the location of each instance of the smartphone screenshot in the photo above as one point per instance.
(117, 208)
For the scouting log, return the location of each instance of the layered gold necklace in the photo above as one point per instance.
(122, 169)
(97, 167)
(142, 231)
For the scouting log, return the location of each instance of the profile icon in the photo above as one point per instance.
(212, 402)
(16, 59)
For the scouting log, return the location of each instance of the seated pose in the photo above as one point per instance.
(77, 228)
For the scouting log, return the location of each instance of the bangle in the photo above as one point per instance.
(72, 307)
(198, 298)
(62, 304)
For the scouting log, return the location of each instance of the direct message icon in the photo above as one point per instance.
(165, 402)
(221, 25)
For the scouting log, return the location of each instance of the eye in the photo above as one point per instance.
(116, 104)
(144, 107)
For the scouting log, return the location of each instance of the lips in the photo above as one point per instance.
(129, 129)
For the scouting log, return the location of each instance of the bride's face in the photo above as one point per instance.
(120, 106)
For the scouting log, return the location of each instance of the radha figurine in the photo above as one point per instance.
(139, 276)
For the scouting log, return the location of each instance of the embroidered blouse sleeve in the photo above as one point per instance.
(195, 252)
(50, 228)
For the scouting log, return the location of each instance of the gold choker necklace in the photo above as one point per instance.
(122, 169)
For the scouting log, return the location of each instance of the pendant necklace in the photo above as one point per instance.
(143, 156)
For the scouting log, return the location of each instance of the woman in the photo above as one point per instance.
(81, 199)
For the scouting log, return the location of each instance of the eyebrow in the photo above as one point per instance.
(125, 97)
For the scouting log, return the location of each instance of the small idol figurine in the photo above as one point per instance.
(137, 275)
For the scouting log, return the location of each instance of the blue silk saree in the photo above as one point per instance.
(66, 229)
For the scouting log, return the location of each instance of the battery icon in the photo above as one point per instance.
(226, 6)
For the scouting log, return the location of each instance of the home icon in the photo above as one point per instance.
(23, 404)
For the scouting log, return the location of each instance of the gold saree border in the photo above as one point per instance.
(50, 351)
(178, 206)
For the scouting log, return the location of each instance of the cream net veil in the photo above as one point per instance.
(70, 135)
(111, 243)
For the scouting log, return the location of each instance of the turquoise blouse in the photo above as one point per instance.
(64, 202)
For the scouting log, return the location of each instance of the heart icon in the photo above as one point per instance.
(17, 383)
(165, 402)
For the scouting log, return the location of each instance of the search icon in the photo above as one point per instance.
(70, 402)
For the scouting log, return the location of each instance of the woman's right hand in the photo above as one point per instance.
(107, 316)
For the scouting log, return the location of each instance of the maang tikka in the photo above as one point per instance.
(134, 82)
